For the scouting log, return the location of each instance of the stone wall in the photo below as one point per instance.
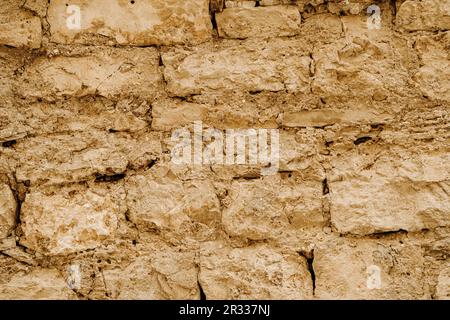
(91, 205)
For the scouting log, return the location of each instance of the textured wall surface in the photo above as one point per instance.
(92, 207)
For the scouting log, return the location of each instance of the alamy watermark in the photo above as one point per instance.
(374, 18)
(229, 147)
(73, 21)
(373, 277)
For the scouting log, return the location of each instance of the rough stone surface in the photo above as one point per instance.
(39, 284)
(254, 272)
(344, 268)
(108, 73)
(7, 211)
(92, 206)
(241, 23)
(274, 65)
(139, 23)
(427, 15)
(75, 219)
(18, 27)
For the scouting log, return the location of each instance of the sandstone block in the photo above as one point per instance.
(257, 272)
(22, 33)
(399, 189)
(443, 286)
(429, 15)
(241, 23)
(139, 23)
(71, 219)
(264, 209)
(159, 200)
(18, 27)
(364, 206)
(39, 284)
(158, 272)
(433, 76)
(108, 73)
(362, 66)
(275, 65)
(83, 156)
(369, 269)
(7, 211)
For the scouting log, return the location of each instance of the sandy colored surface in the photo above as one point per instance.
(358, 209)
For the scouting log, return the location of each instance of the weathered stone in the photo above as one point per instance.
(83, 156)
(39, 284)
(109, 73)
(264, 209)
(443, 286)
(256, 272)
(21, 33)
(141, 23)
(328, 117)
(430, 15)
(159, 272)
(159, 200)
(241, 23)
(399, 189)
(369, 205)
(169, 115)
(369, 269)
(433, 76)
(7, 211)
(71, 219)
(363, 65)
(19, 28)
(276, 65)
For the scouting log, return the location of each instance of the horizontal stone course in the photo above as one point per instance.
(137, 23)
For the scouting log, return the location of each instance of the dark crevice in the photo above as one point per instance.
(202, 293)
(393, 4)
(361, 140)
(109, 178)
(9, 144)
(325, 188)
(152, 163)
(309, 256)
(215, 6)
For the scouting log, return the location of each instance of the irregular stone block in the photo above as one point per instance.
(264, 209)
(139, 23)
(158, 200)
(433, 76)
(428, 15)
(365, 65)
(108, 73)
(390, 188)
(70, 219)
(241, 23)
(22, 33)
(369, 269)
(169, 115)
(443, 286)
(275, 65)
(256, 272)
(18, 27)
(160, 272)
(39, 284)
(83, 156)
(369, 205)
(7, 211)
